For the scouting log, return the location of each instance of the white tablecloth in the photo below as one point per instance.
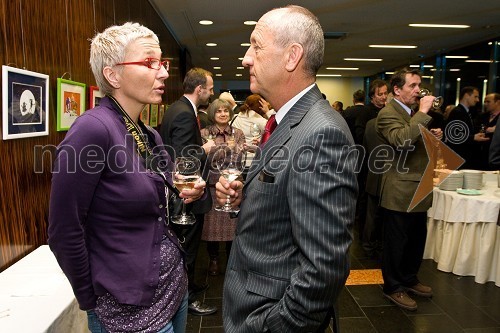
(462, 232)
(35, 296)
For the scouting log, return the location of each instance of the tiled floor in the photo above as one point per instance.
(459, 305)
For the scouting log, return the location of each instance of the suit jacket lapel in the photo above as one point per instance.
(283, 132)
(401, 110)
(197, 133)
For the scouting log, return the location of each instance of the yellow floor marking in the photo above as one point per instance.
(364, 276)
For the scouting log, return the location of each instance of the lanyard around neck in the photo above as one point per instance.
(144, 150)
(143, 146)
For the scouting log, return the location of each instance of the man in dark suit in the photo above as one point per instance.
(405, 229)
(376, 155)
(289, 259)
(378, 96)
(461, 134)
(181, 134)
(378, 93)
(351, 113)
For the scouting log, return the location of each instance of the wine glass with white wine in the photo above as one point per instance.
(230, 161)
(186, 175)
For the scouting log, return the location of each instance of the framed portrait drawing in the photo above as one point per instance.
(153, 115)
(70, 102)
(95, 96)
(25, 103)
(145, 115)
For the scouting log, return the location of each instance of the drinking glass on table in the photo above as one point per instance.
(230, 161)
(186, 175)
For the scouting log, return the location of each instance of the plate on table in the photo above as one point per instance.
(469, 191)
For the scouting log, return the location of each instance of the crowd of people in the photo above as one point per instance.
(389, 227)
(292, 212)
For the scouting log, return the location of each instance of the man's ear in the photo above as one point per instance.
(294, 54)
(396, 91)
(112, 76)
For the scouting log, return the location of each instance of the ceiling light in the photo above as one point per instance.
(245, 44)
(456, 57)
(211, 44)
(418, 66)
(250, 22)
(240, 67)
(343, 68)
(427, 77)
(454, 69)
(453, 26)
(240, 58)
(329, 75)
(362, 59)
(206, 22)
(239, 74)
(480, 61)
(389, 73)
(218, 74)
(394, 46)
(214, 58)
(217, 67)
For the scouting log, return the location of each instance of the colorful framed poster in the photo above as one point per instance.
(153, 115)
(145, 115)
(70, 102)
(25, 103)
(95, 96)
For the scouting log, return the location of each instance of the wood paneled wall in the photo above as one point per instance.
(52, 37)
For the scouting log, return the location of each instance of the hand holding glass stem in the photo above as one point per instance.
(186, 175)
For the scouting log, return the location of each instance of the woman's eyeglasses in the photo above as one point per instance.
(152, 63)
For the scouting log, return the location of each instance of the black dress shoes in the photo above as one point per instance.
(197, 308)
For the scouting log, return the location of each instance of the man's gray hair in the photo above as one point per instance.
(299, 25)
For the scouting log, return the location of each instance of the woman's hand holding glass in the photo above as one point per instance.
(186, 178)
(256, 134)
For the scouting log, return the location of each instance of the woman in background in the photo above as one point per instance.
(218, 226)
(252, 114)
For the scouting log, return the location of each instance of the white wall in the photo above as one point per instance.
(339, 89)
(335, 88)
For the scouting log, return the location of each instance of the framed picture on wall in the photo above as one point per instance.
(95, 96)
(70, 102)
(25, 103)
(153, 115)
(145, 115)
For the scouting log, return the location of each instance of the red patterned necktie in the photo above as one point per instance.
(268, 130)
(198, 121)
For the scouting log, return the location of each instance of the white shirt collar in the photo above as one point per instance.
(466, 108)
(195, 108)
(407, 109)
(280, 114)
